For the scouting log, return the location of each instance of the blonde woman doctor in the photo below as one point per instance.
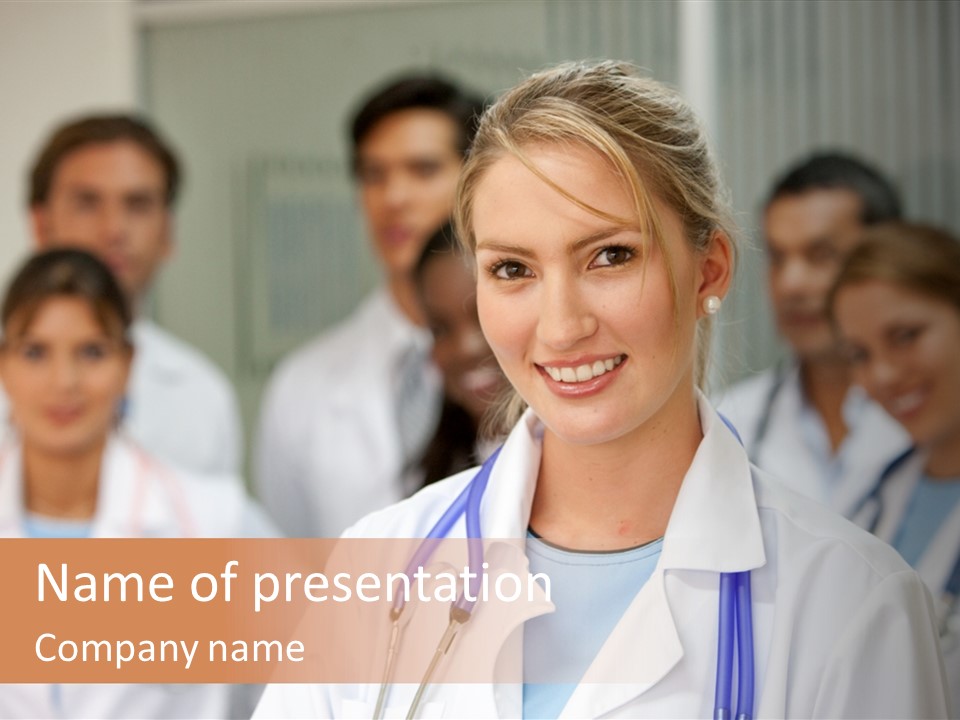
(592, 208)
(67, 473)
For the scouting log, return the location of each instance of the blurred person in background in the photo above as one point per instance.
(896, 305)
(68, 471)
(107, 184)
(802, 420)
(344, 418)
(472, 380)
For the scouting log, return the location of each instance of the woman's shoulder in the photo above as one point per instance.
(805, 530)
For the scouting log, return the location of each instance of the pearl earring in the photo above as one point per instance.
(711, 304)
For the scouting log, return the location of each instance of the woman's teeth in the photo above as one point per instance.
(906, 403)
(582, 373)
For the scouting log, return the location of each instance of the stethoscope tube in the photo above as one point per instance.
(735, 634)
(745, 665)
(466, 504)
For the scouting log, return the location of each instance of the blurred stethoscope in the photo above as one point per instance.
(146, 470)
(736, 617)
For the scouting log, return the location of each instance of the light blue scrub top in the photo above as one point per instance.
(930, 505)
(43, 526)
(591, 591)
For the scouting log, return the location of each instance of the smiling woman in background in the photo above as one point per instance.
(472, 380)
(896, 304)
(68, 472)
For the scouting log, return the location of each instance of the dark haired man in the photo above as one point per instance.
(344, 416)
(107, 183)
(802, 421)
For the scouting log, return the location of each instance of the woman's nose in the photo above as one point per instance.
(566, 316)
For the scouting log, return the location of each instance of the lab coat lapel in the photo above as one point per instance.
(505, 515)
(490, 651)
(714, 527)
(115, 496)
(505, 510)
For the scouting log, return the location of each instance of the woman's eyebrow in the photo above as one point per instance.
(504, 248)
(598, 236)
(583, 242)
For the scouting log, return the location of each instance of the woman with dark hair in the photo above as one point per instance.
(472, 380)
(68, 471)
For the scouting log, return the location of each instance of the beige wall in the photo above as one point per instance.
(56, 59)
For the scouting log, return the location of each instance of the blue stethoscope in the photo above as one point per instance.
(736, 617)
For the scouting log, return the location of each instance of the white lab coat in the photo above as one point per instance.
(328, 448)
(181, 407)
(787, 452)
(174, 503)
(885, 513)
(842, 627)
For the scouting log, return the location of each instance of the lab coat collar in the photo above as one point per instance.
(149, 341)
(397, 330)
(714, 524)
(124, 472)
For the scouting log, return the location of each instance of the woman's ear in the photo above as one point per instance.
(715, 270)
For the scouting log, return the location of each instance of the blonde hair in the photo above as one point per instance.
(648, 134)
(919, 258)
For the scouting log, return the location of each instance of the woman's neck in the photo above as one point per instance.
(615, 495)
(62, 486)
(825, 385)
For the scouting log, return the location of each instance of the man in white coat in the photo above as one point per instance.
(107, 184)
(344, 416)
(803, 421)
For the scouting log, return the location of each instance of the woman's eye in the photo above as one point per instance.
(615, 255)
(93, 351)
(30, 351)
(905, 336)
(854, 355)
(510, 270)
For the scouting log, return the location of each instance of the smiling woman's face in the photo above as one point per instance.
(578, 309)
(903, 349)
(65, 375)
(471, 377)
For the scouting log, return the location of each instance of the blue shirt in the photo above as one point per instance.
(930, 505)
(591, 591)
(43, 526)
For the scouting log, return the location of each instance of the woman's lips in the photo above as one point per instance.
(583, 377)
(396, 235)
(64, 415)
